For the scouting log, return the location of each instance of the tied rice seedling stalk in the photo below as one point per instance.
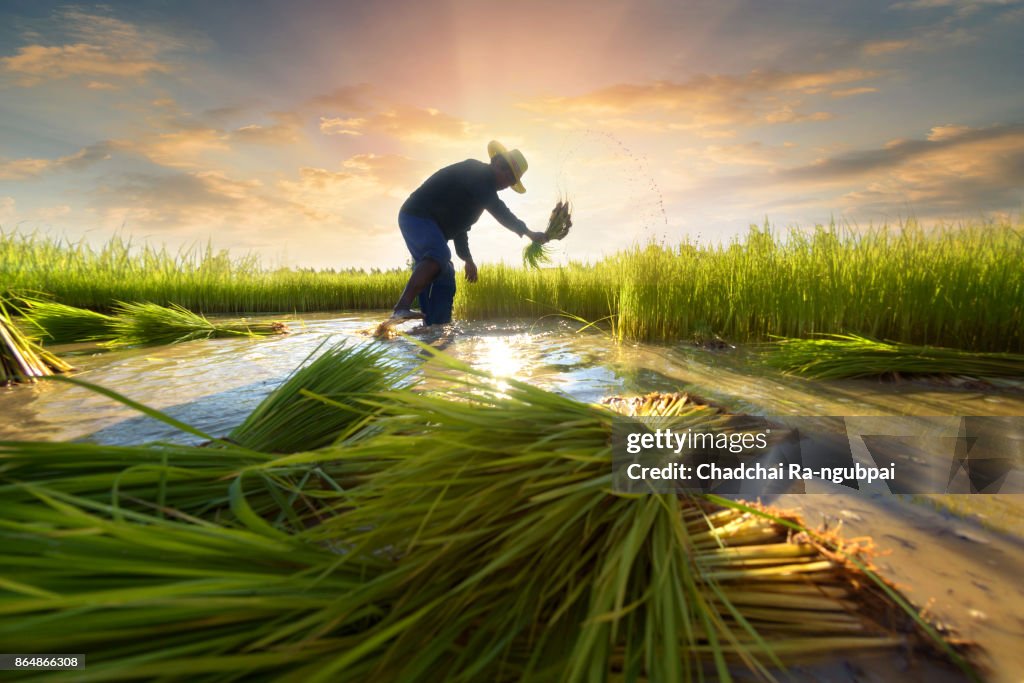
(23, 359)
(62, 324)
(655, 404)
(849, 356)
(138, 324)
(536, 254)
(320, 401)
(159, 599)
(162, 479)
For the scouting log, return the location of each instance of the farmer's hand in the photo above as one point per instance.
(470, 271)
(537, 236)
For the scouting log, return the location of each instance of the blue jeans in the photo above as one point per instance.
(425, 240)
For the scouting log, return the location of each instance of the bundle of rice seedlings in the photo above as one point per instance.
(320, 401)
(654, 404)
(515, 561)
(62, 324)
(150, 324)
(163, 478)
(22, 359)
(535, 254)
(325, 400)
(171, 599)
(847, 356)
(484, 543)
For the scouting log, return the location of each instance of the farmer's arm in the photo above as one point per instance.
(504, 215)
(461, 243)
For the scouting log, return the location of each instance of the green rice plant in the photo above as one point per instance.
(536, 253)
(63, 324)
(949, 287)
(149, 324)
(23, 359)
(319, 401)
(957, 287)
(198, 278)
(845, 356)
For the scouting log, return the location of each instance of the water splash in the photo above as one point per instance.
(644, 191)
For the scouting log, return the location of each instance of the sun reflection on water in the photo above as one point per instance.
(504, 358)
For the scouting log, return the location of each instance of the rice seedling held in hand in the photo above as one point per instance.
(536, 254)
(62, 324)
(840, 356)
(23, 359)
(138, 324)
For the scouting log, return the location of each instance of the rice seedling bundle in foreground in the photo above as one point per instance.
(481, 541)
(516, 561)
(536, 254)
(347, 382)
(320, 401)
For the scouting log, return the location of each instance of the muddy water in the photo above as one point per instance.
(962, 556)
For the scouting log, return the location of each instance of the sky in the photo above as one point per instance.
(296, 129)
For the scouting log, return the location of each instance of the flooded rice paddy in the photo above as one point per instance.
(960, 557)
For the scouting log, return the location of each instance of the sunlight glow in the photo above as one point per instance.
(502, 357)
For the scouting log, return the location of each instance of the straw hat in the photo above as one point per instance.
(515, 159)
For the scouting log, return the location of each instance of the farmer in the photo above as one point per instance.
(444, 208)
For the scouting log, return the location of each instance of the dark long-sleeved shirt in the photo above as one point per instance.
(455, 197)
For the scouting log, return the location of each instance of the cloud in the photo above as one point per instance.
(101, 85)
(97, 46)
(362, 109)
(954, 170)
(356, 187)
(769, 97)
(952, 30)
(851, 92)
(286, 129)
(340, 126)
(945, 143)
(939, 37)
(192, 202)
(339, 212)
(963, 7)
(314, 201)
(875, 48)
(26, 168)
(745, 154)
(177, 149)
(947, 132)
